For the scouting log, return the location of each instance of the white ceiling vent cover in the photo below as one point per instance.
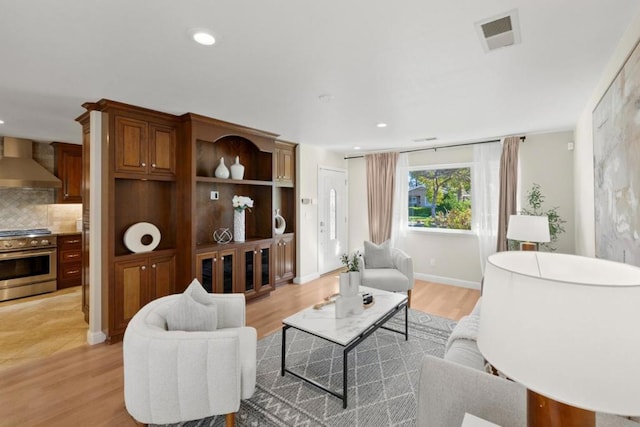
(499, 31)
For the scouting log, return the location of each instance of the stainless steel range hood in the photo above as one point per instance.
(18, 169)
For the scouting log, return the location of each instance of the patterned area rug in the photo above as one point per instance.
(383, 378)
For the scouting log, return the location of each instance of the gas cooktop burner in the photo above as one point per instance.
(28, 232)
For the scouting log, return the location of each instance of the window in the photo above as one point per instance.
(440, 197)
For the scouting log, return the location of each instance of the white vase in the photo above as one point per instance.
(222, 171)
(280, 223)
(354, 282)
(237, 170)
(238, 226)
(344, 283)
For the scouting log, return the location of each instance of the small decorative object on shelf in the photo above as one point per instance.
(222, 171)
(237, 170)
(222, 235)
(280, 223)
(240, 204)
(142, 237)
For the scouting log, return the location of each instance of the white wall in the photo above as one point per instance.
(583, 177)
(309, 158)
(546, 160)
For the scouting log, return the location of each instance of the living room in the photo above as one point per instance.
(558, 155)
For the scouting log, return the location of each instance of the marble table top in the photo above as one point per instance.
(323, 322)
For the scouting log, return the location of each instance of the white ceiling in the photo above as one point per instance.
(417, 65)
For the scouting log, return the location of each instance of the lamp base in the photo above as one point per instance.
(528, 246)
(545, 412)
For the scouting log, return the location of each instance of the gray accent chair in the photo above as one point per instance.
(396, 279)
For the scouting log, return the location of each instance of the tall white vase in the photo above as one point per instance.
(238, 226)
(222, 171)
(237, 170)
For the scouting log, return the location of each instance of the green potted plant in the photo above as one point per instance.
(535, 199)
(350, 279)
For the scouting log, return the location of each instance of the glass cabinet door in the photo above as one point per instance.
(265, 266)
(249, 270)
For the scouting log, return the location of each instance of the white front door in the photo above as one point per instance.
(332, 218)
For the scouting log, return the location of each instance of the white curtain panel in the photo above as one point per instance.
(485, 197)
(400, 201)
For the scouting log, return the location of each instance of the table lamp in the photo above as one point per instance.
(529, 230)
(566, 327)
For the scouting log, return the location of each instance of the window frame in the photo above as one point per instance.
(449, 231)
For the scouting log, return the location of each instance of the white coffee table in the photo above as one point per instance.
(347, 332)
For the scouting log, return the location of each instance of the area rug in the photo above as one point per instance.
(383, 378)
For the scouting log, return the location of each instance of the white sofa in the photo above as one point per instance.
(458, 384)
(174, 376)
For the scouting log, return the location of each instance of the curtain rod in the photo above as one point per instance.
(522, 138)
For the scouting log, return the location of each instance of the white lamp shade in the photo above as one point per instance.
(529, 228)
(566, 327)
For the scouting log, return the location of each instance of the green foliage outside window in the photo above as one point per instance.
(447, 194)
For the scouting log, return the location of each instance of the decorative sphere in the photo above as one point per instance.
(222, 235)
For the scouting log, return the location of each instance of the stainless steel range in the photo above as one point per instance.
(28, 261)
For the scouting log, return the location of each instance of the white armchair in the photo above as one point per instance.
(174, 376)
(396, 276)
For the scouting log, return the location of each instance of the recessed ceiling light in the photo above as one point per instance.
(382, 125)
(203, 37)
(1, 122)
(356, 148)
(325, 97)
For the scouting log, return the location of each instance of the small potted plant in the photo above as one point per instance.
(350, 279)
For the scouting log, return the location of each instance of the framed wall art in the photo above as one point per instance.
(616, 159)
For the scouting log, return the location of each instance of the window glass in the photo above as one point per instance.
(440, 197)
(332, 214)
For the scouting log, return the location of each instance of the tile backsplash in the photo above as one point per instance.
(24, 208)
(34, 207)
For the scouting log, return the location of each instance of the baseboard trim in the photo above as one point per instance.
(304, 279)
(448, 281)
(94, 338)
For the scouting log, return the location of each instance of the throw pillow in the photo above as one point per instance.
(186, 314)
(194, 311)
(377, 256)
(199, 293)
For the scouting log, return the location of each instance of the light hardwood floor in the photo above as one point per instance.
(84, 385)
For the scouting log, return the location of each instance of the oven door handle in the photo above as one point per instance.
(26, 254)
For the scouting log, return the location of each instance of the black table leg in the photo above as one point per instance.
(284, 349)
(345, 373)
(406, 323)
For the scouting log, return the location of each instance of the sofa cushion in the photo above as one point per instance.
(465, 352)
(387, 279)
(377, 256)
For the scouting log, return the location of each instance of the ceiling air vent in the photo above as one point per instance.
(499, 31)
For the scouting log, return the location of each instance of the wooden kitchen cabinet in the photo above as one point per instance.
(285, 258)
(68, 168)
(69, 269)
(143, 147)
(138, 280)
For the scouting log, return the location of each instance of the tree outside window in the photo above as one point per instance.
(440, 197)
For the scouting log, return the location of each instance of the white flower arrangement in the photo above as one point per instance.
(241, 203)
